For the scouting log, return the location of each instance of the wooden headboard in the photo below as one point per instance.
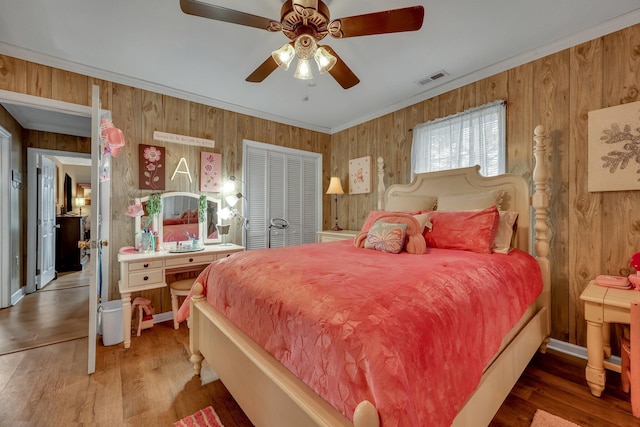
(517, 193)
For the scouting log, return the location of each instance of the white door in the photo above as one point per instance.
(99, 252)
(5, 211)
(46, 221)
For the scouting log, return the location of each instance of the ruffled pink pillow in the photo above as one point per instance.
(414, 240)
(473, 231)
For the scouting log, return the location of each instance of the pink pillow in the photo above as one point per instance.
(414, 240)
(386, 237)
(472, 231)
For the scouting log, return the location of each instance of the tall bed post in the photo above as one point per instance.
(381, 187)
(540, 202)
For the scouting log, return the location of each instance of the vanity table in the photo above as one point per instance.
(141, 271)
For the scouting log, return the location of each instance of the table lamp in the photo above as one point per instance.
(80, 203)
(335, 188)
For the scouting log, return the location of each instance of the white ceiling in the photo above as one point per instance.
(151, 44)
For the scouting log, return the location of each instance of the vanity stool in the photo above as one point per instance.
(179, 288)
(145, 313)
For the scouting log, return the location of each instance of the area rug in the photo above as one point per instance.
(545, 419)
(206, 417)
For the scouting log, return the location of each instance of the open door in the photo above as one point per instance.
(46, 221)
(100, 207)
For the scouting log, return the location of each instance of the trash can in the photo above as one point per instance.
(110, 321)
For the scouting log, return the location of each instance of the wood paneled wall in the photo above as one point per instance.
(592, 233)
(138, 113)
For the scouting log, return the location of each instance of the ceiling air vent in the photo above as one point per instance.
(432, 77)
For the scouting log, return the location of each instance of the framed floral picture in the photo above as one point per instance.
(360, 175)
(151, 174)
(210, 176)
(614, 148)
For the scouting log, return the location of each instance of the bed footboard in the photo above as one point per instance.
(267, 392)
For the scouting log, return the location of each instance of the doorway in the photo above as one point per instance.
(39, 224)
(62, 118)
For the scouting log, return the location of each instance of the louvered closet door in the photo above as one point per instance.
(295, 195)
(281, 183)
(255, 178)
(311, 203)
(276, 196)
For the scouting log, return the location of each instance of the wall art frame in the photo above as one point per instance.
(210, 172)
(151, 170)
(614, 148)
(360, 175)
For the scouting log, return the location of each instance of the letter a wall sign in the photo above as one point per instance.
(151, 174)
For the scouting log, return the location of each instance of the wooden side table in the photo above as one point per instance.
(330, 235)
(603, 306)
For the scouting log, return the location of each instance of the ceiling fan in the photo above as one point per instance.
(305, 23)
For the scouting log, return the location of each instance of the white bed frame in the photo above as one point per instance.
(271, 395)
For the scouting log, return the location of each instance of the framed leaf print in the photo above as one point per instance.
(360, 175)
(151, 174)
(614, 148)
(210, 176)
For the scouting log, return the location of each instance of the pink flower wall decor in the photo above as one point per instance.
(151, 174)
(210, 167)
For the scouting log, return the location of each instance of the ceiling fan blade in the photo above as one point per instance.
(263, 71)
(341, 72)
(389, 21)
(206, 10)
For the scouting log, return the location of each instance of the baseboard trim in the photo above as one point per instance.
(163, 317)
(17, 296)
(576, 350)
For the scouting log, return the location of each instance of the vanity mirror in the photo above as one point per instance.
(179, 220)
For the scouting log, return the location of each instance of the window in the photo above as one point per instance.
(473, 137)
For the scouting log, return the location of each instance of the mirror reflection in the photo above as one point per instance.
(179, 221)
(212, 219)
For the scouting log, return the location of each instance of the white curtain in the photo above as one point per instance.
(473, 137)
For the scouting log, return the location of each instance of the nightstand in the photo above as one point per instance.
(603, 306)
(331, 236)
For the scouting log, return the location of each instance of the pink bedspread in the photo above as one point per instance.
(178, 232)
(410, 333)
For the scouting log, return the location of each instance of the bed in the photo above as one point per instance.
(181, 228)
(269, 392)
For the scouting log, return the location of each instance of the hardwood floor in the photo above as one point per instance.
(152, 384)
(57, 313)
(555, 383)
(149, 384)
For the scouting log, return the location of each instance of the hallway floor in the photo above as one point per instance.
(57, 313)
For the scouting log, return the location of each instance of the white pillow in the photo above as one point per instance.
(411, 204)
(507, 225)
(470, 202)
(424, 221)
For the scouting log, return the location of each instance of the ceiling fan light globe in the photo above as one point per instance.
(305, 46)
(303, 70)
(284, 56)
(325, 60)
